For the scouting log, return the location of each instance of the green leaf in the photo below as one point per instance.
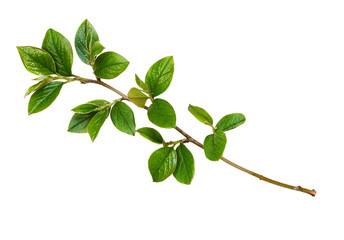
(40, 78)
(214, 145)
(185, 169)
(99, 102)
(61, 50)
(37, 61)
(200, 114)
(109, 65)
(38, 85)
(162, 163)
(85, 108)
(141, 84)
(162, 114)
(97, 122)
(151, 134)
(230, 121)
(81, 45)
(79, 122)
(96, 49)
(90, 106)
(123, 118)
(44, 97)
(137, 97)
(159, 76)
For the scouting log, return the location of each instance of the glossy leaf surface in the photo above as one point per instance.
(230, 121)
(37, 61)
(214, 145)
(162, 163)
(61, 50)
(79, 122)
(162, 114)
(96, 123)
(44, 97)
(123, 118)
(151, 134)
(200, 114)
(159, 76)
(109, 65)
(185, 169)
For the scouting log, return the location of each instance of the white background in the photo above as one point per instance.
(278, 62)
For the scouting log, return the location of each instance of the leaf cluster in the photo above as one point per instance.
(53, 63)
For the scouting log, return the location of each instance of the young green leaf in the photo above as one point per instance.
(38, 85)
(81, 45)
(214, 145)
(40, 78)
(37, 61)
(61, 50)
(159, 76)
(79, 122)
(185, 169)
(90, 106)
(85, 108)
(137, 97)
(151, 134)
(99, 102)
(162, 163)
(123, 118)
(96, 49)
(162, 114)
(141, 83)
(97, 122)
(44, 97)
(109, 65)
(230, 121)
(201, 114)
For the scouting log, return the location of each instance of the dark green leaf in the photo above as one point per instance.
(214, 145)
(79, 122)
(230, 121)
(123, 118)
(137, 97)
(38, 85)
(200, 114)
(109, 65)
(90, 106)
(162, 114)
(162, 163)
(159, 76)
(141, 84)
(97, 122)
(44, 97)
(37, 61)
(60, 49)
(151, 134)
(185, 169)
(81, 45)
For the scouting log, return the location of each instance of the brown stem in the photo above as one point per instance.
(197, 143)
